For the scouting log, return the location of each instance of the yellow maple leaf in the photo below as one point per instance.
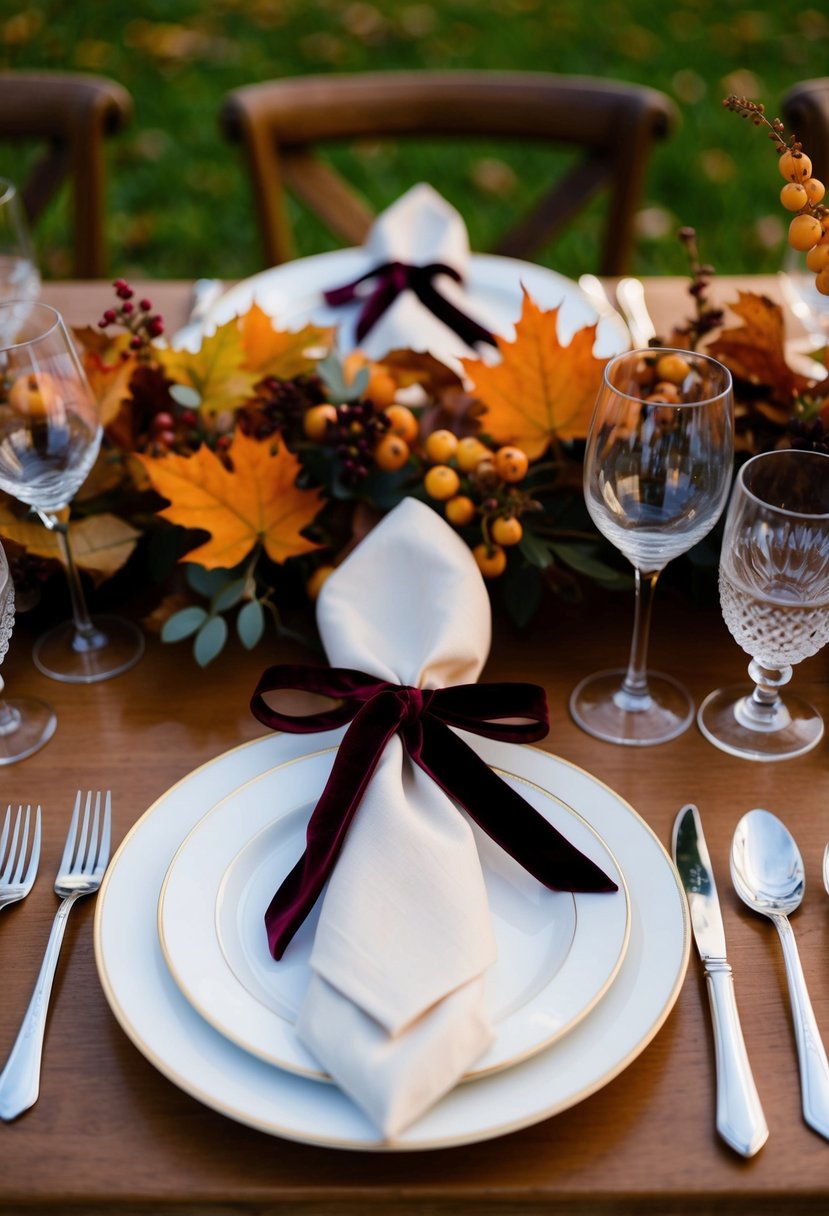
(255, 502)
(540, 390)
(281, 353)
(216, 371)
(101, 544)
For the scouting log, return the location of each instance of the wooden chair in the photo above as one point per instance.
(615, 124)
(70, 114)
(805, 110)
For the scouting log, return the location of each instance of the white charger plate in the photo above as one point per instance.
(557, 953)
(293, 295)
(163, 1025)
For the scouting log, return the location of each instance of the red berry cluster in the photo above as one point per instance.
(137, 318)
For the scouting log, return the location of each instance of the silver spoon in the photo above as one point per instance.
(768, 875)
(826, 868)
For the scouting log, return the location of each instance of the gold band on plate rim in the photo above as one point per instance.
(318, 1074)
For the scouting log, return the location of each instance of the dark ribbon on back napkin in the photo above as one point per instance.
(393, 278)
(376, 710)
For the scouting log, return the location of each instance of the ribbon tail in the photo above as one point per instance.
(466, 327)
(504, 815)
(357, 758)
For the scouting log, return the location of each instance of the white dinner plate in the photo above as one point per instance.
(193, 1055)
(293, 295)
(557, 952)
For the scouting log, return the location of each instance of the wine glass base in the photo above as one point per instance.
(719, 720)
(598, 706)
(35, 725)
(116, 646)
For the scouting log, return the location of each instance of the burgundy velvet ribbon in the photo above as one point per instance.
(376, 710)
(393, 278)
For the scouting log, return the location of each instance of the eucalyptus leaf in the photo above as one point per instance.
(581, 558)
(210, 640)
(535, 550)
(228, 596)
(185, 396)
(206, 582)
(359, 384)
(182, 624)
(338, 390)
(250, 624)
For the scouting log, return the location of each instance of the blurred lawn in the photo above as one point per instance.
(179, 199)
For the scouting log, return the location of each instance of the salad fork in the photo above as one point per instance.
(18, 875)
(81, 870)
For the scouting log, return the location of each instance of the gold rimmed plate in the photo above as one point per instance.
(557, 952)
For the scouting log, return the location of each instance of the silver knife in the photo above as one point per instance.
(740, 1118)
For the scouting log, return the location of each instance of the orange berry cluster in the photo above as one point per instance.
(474, 481)
(802, 193)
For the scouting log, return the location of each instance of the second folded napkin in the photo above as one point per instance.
(420, 230)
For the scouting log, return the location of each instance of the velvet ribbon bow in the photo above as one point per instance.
(393, 278)
(376, 710)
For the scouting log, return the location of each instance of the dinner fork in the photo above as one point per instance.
(81, 869)
(18, 875)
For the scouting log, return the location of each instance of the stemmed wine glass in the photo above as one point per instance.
(19, 275)
(50, 434)
(26, 723)
(774, 592)
(657, 468)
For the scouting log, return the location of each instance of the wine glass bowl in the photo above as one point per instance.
(19, 275)
(50, 435)
(26, 723)
(657, 468)
(774, 594)
(49, 429)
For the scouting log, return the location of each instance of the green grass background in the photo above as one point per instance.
(180, 204)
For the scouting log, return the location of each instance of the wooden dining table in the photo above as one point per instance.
(111, 1134)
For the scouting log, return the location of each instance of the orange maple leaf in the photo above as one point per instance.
(540, 390)
(281, 353)
(255, 502)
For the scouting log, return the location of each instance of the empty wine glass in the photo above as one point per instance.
(50, 434)
(26, 723)
(774, 592)
(19, 275)
(657, 468)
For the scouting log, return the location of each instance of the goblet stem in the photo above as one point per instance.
(764, 710)
(634, 693)
(87, 637)
(9, 717)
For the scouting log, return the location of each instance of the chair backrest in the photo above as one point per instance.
(279, 122)
(69, 115)
(805, 111)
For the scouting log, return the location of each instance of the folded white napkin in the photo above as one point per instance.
(395, 1008)
(419, 229)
